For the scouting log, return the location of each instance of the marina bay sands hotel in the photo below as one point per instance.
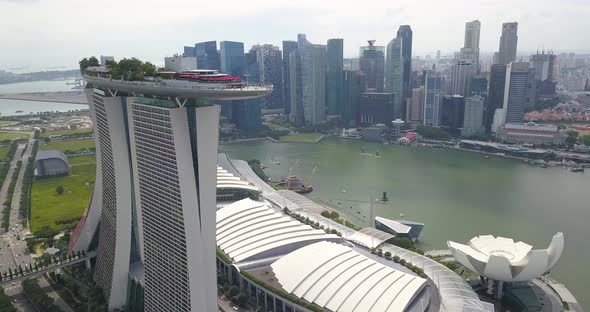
(152, 213)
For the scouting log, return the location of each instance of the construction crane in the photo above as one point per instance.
(290, 175)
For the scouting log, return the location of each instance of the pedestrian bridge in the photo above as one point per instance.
(27, 273)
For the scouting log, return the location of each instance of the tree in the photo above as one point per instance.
(325, 214)
(334, 215)
(59, 189)
(585, 140)
(387, 254)
(572, 137)
(395, 258)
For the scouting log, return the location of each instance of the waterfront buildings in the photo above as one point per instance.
(473, 117)
(207, 56)
(508, 43)
(394, 75)
(452, 113)
(372, 63)
(530, 133)
(156, 148)
(189, 51)
(354, 84)
(307, 69)
(433, 95)
(335, 57)
(500, 259)
(376, 108)
(515, 92)
(288, 48)
(270, 60)
(408, 229)
(417, 105)
(178, 63)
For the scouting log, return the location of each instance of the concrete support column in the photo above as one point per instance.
(88, 266)
(500, 290)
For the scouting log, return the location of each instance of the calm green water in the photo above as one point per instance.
(456, 194)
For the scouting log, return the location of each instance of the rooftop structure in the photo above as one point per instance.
(338, 278)
(530, 133)
(231, 188)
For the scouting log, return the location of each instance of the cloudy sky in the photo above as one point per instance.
(41, 33)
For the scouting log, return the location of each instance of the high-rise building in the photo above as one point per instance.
(354, 84)
(471, 45)
(508, 43)
(335, 58)
(417, 105)
(515, 91)
(405, 33)
(376, 108)
(271, 72)
(288, 48)
(544, 65)
(462, 71)
(351, 64)
(156, 148)
(308, 83)
(207, 56)
(189, 51)
(473, 118)
(495, 98)
(394, 76)
(452, 113)
(232, 57)
(372, 63)
(433, 95)
(178, 63)
(479, 86)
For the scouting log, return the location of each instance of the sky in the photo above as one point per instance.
(38, 34)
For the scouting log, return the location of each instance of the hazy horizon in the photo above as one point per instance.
(41, 33)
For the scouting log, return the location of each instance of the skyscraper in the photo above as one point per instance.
(452, 113)
(207, 56)
(473, 118)
(433, 95)
(515, 91)
(508, 43)
(288, 48)
(372, 63)
(405, 33)
(495, 98)
(471, 45)
(479, 85)
(394, 76)
(271, 72)
(462, 72)
(335, 57)
(308, 82)
(417, 105)
(156, 148)
(354, 84)
(375, 108)
(232, 58)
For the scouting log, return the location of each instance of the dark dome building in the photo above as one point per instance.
(50, 164)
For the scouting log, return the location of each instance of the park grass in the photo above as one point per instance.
(274, 126)
(4, 153)
(47, 134)
(13, 135)
(81, 160)
(60, 212)
(301, 137)
(7, 122)
(71, 145)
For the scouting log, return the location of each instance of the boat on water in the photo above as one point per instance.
(577, 169)
(543, 166)
(19, 111)
(486, 157)
(277, 163)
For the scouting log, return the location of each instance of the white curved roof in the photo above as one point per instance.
(394, 225)
(247, 229)
(338, 278)
(226, 179)
(503, 259)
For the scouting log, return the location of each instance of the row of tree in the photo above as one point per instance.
(41, 263)
(27, 184)
(8, 202)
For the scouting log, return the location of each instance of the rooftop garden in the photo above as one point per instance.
(131, 69)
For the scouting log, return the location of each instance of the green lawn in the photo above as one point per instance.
(62, 211)
(274, 126)
(13, 135)
(301, 137)
(46, 134)
(77, 160)
(4, 152)
(7, 122)
(71, 145)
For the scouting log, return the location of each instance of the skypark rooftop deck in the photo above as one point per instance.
(181, 89)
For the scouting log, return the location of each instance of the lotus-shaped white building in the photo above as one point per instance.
(502, 259)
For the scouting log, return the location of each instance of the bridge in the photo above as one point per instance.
(37, 271)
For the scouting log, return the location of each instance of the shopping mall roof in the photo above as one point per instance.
(338, 278)
(226, 179)
(249, 230)
(370, 237)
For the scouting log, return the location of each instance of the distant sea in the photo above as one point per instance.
(10, 107)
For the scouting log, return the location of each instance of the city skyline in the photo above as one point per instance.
(435, 28)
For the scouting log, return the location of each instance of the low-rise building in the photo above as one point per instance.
(530, 133)
(51, 164)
